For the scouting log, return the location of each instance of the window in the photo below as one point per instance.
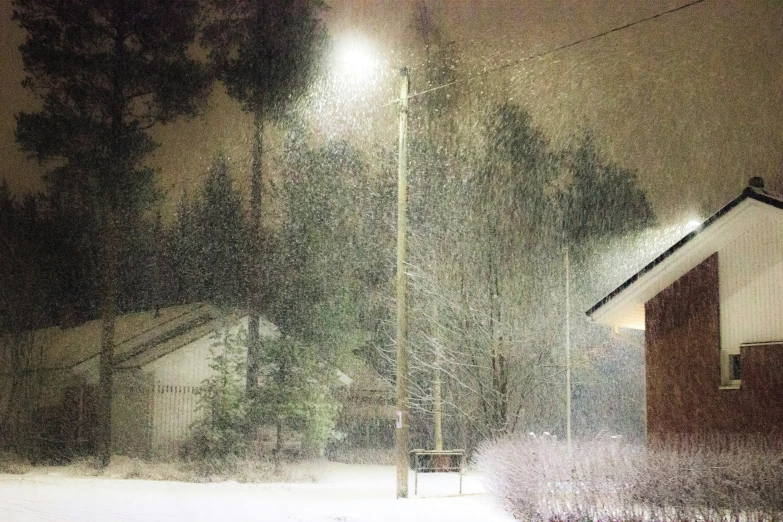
(734, 367)
(730, 368)
(731, 362)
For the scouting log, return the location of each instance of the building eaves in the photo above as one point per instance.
(758, 194)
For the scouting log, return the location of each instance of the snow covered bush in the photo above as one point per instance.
(715, 478)
(605, 479)
(536, 479)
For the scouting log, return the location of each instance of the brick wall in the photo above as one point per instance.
(683, 366)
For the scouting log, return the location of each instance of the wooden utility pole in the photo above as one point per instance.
(403, 413)
(567, 258)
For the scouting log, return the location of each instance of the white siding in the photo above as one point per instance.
(751, 288)
(176, 378)
(154, 405)
(626, 309)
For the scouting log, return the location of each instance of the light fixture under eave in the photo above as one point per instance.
(692, 225)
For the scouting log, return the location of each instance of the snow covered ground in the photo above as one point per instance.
(340, 492)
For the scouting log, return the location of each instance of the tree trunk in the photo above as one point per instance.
(157, 292)
(437, 406)
(108, 318)
(499, 373)
(279, 442)
(11, 419)
(111, 201)
(254, 275)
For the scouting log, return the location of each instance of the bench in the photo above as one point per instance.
(432, 463)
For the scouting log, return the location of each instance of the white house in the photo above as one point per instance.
(48, 377)
(712, 310)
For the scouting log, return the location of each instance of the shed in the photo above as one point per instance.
(367, 416)
(711, 307)
(160, 361)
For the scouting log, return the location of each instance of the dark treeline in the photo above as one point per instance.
(50, 271)
(487, 246)
(496, 214)
(51, 262)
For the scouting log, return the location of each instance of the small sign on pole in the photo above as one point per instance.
(399, 420)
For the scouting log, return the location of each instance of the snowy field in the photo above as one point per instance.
(337, 492)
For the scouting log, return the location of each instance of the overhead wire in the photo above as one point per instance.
(549, 51)
(524, 59)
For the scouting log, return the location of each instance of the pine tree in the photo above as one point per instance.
(597, 183)
(106, 72)
(294, 394)
(265, 52)
(223, 229)
(221, 431)
(211, 233)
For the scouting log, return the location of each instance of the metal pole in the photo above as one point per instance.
(568, 347)
(401, 433)
(437, 407)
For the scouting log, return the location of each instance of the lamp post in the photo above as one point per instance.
(355, 62)
(562, 199)
(403, 412)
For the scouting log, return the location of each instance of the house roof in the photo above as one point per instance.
(358, 375)
(139, 337)
(624, 306)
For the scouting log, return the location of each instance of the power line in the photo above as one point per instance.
(486, 72)
(550, 51)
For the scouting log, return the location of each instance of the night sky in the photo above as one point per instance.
(692, 100)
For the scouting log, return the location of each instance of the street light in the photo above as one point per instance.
(403, 414)
(355, 61)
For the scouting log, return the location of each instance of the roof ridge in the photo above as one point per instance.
(758, 194)
(193, 308)
(164, 336)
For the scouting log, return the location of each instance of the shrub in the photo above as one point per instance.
(220, 436)
(294, 394)
(13, 464)
(605, 479)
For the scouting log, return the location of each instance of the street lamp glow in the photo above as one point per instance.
(355, 59)
(355, 62)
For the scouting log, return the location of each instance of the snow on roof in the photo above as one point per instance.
(139, 337)
(624, 306)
